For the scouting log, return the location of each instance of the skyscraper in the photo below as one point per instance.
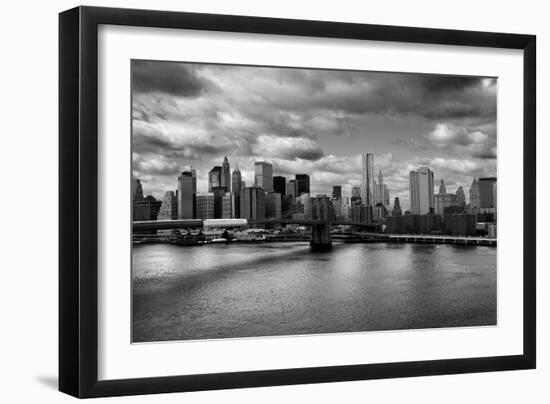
(279, 184)
(272, 205)
(137, 190)
(225, 175)
(396, 211)
(474, 195)
(381, 193)
(422, 191)
(263, 175)
(443, 200)
(460, 197)
(291, 188)
(337, 191)
(228, 205)
(187, 190)
(169, 208)
(214, 178)
(302, 184)
(253, 203)
(205, 206)
(367, 185)
(236, 186)
(486, 192)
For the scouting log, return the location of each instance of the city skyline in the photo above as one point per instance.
(317, 122)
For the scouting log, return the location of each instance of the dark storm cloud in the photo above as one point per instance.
(166, 77)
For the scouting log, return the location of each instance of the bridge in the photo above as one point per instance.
(321, 236)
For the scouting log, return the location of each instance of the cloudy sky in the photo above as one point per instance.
(309, 121)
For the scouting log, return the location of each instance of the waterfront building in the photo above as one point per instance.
(228, 205)
(337, 192)
(236, 186)
(214, 178)
(146, 208)
(414, 224)
(422, 191)
(443, 200)
(225, 175)
(205, 206)
(253, 203)
(486, 192)
(263, 175)
(302, 184)
(367, 173)
(169, 207)
(279, 184)
(225, 223)
(187, 190)
(273, 205)
(460, 224)
(396, 211)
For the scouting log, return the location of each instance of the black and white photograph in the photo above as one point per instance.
(270, 201)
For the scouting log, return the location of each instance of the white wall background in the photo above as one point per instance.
(28, 183)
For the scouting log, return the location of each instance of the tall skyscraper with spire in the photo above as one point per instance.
(367, 173)
(225, 180)
(381, 193)
(236, 186)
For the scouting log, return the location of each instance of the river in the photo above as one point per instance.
(245, 290)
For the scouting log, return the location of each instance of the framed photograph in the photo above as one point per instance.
(251, 201)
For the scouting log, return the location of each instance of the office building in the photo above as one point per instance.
(279, 185)
(253, 203)
(367, 184)
(302, 184)
(214, 178)
(486, 192)
(273, 207)
(460, 197)
(228, 205)
(443, 200)
(236, 187)
(187, 190)
(337, 192)
(291, 189)
(263, 175)
(218, 193)
(225, 175)
(422, 191)
(169, 207)
(137, 189)
(474, 195)
(381, 192)
(205, 206)
(396, 211)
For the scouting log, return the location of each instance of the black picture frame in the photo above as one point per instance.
(78, 201)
